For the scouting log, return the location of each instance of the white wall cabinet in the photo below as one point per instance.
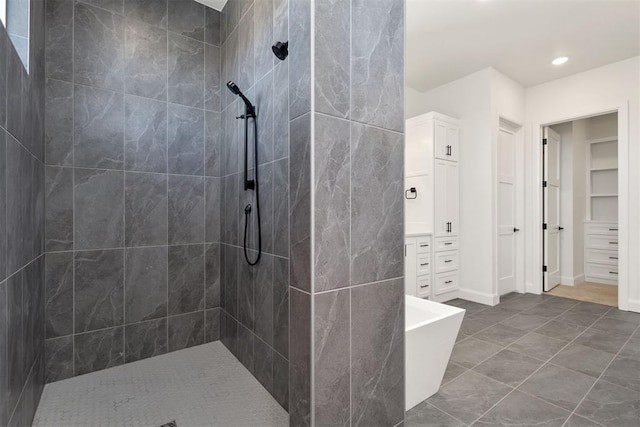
(601, 252)
(432, 152)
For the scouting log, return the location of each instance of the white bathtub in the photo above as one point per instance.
(430, 333)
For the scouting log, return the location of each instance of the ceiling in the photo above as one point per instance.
(449, 39)
(213, 4)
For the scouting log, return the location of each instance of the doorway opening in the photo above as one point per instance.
(580, 209)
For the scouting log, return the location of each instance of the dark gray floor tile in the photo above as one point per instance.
(560, 330)
(589, 307)
(609, 324)
(426, 414)
(526, 322)
(518, 303)
(583, 359)
(578, 318)
(452, 372)
(545, 310)
(632, 347)
(627, 316)
(493, 315)
(469, 396)
(509, 367)
(611, 405)
(519, 409)
(461, 337)
(578, 421)
(624, 371)
(561, 303)
(538, 346)
(500, 334)
(470, 352)
(472, 325)
(610, 342)
(559, 386)
(470, 306)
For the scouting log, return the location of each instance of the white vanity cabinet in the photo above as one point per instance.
(601, 252)
(418, 265)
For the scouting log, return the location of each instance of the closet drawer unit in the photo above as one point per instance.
(597, 241)
(446, 261)
(446, 243)
(446, 282)
(423, 246)
(607, 272)
(607, 229)
(424, 286)
(424, 264)
(598, 256)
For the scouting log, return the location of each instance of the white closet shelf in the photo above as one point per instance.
(613, 168)
(605, 195)
(605, 139)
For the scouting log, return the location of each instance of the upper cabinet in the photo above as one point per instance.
(446, 140)
(430, 136)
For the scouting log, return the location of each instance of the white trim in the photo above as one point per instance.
(572, 281)
(479, 297)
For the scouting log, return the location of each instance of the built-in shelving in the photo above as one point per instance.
(602, 179)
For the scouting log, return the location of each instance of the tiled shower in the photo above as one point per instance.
(134, 218)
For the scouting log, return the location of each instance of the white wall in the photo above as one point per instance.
(413, 103)
(605, 88)
(579, 154)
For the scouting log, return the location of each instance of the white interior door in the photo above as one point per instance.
(551, 209)
(507, 228)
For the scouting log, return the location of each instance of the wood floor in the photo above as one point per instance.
(590, 292)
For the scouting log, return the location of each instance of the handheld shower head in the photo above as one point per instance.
(280, 50)
(236, 91)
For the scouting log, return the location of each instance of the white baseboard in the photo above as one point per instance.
(532, 289)
(572, 281)
(633, 305)
(479, 297)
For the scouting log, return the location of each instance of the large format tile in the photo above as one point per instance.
(213, 21)
(186, 209)
(377, 353)
(300, 359)
(583, 359)
(560, 330)
(15, 346)
(187, 18)
(263, 294)
(526, 322)
(299, 58)
(578, 421)
(58, 123)
(263, 37)
(145, 142)
(610, 341)
(470, 352)
(146, 61)
(145, 209)
(186, 279)
(264, 91)
(152, 12)
(98, 58)
(263, 364)
(426, 414)
(281, 306)
(500, 334)
(186, 330)
(59, 39)
(4, 353)
(212, 70)
(518, 409)
(186, 71)
(469, 396)
(213, 141)
(59, 358)
(609, 324)
(611, 405)
(281, 208)
(624, 371)
(98, 213)
(98, 350)
(213, 269)
(145, 292)
(538, 346)
(452, 372)
(578, 318)
(281, 109)
(59, 211)
(560, 386)
(377, 247)
(98, 293)
(145, 339)
(509, 367)
(212, 324)
(186, 140)
(58, 294)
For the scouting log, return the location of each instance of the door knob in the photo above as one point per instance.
(515, 230)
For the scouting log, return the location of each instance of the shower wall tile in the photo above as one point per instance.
(377, 351)
(145, 209)
(281, 111)
(213, 191)
(186, 331)
(246, 287)
(59, 294)
(300, 203)
(18, 169)
(299, 58)
(230, 66)
(265, 107)
(213, 22)
(265, 176)
(212, 67)
(263, 364)
(152, 12)
(245, 352)
(186, 279)
(145, 290)
(115, 6)
(59, 358)
(229, 216)
(186, 70)
(246, 73)
(212, 325)
(145, 60)
(187, 18)
(99, 209)
(332, 204)
(281, 208)
(263, 297)
(281, 306)
(59, 123)
(229, 332)
(99, 289)
(331, 358)
(300, 358)
(212, 275)
(145, 139)
(378, 63)
(15, 339)
(3, 205)
(281, 380)
(230, 139)
(59, 213)
(4, 47)
(332, 61)
(4, 363)
(263, 32)
(144, 340)
(59, 39)
(98, 128)
(186, 209)
(376, 204)
(186, 140)
(281, 21)
(98, 350)
(230, 279)
(213, 140)
(15, 75)
(98, 51)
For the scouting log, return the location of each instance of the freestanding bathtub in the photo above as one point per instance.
(430, 333)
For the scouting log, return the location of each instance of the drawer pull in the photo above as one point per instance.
(448, 243)
(424, 286)
(613, 257)
(613, 243)
(448, 281)
(448, 260)
(423, 264)
(424, 245)
(613, 272)
(613, 229)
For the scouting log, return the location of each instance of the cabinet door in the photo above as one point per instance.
(440, 136)
(418, 148)
(441, 219)
(452, 191)
(453, 138)
(410, 268)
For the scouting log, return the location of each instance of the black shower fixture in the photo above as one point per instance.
(250, 110)
(280, 50)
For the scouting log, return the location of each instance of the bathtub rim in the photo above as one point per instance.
(451, 311)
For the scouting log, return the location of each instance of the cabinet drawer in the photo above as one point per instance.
(424, 285)
(607, 229)
(446, 283)
(423, 246)
(446, 261)
(607, 272)
(596, 241)
(424, 264)
(446, 243)
(602, 257)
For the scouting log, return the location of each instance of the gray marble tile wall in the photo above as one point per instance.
(22, 221)
(255, 300)
(133, 181)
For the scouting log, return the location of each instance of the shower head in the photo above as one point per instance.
(280, 50)
(236, 91)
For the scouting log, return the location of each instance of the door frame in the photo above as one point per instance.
(517, 129)
(536, 217)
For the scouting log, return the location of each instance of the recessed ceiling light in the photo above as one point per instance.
(559, 61)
